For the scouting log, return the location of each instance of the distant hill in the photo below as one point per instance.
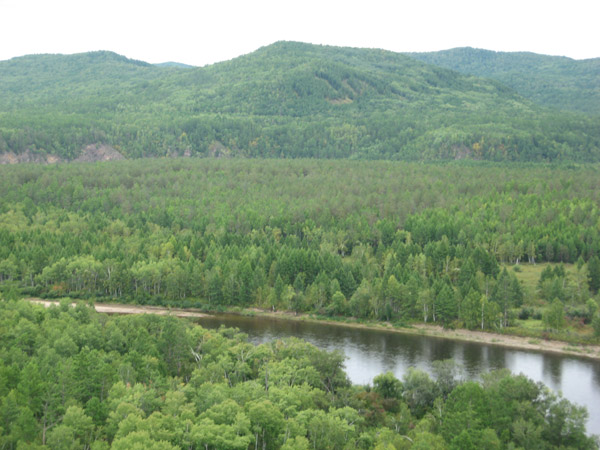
(174, 64)
(554, 81)
(287, 100)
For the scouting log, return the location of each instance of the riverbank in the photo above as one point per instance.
(483, 337)
(518, 342)
(116, 308)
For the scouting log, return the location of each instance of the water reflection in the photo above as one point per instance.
(552, 368)
(371, 352)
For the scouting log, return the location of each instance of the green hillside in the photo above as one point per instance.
(174, 64)
(284, 100)
(554, 81)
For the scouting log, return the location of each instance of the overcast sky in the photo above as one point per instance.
(203, 32)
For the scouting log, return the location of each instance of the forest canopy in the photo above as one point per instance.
(74, 378)
(253, 197)
(288, 100)
(374, 240)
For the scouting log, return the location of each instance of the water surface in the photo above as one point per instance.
(371, 352)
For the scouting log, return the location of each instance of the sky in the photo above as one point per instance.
(204, 32)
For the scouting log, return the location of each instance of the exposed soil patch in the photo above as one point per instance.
(99, 152)
(91, 153)
(218, 150)
(27, 156)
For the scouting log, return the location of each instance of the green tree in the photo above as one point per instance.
(419, 391)
(507, 294)
(593, 269)
(428, 441)
(554, 316)
(326, 431)
(446, 307)
(140, 440)
(388, 386)
(471, 310)
(266, 422)
(596, 325)
(338, 305)
(592, 308)
(446, 373)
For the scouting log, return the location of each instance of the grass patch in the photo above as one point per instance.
(530, 324)
(529, 274)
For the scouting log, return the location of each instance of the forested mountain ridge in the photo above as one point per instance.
(554, 81)
(285, 100)
(175, 64)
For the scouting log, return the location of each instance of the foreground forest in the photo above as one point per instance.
(290, 100)
(397, 242)
(73, 378)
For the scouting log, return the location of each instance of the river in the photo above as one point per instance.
(371, 352)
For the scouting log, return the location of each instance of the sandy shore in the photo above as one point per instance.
(525, 343)
(115, 308)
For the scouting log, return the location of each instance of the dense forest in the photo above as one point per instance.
(71, 378)
(399, 242)
(274, 202)
(554, 81)
(288, 100)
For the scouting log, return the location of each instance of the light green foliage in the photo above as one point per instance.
(471, 309)
(339, 304)
(63, 438)
(376, 240)
(592, 308)
(554, 316)
(387, 245)
(297, 443)
(596, 325)
(507, 294)
(307, 402)
(267, 423)
(388, 386)
(81, 425)
(140, 440)
(428, 441)
(327, 431)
